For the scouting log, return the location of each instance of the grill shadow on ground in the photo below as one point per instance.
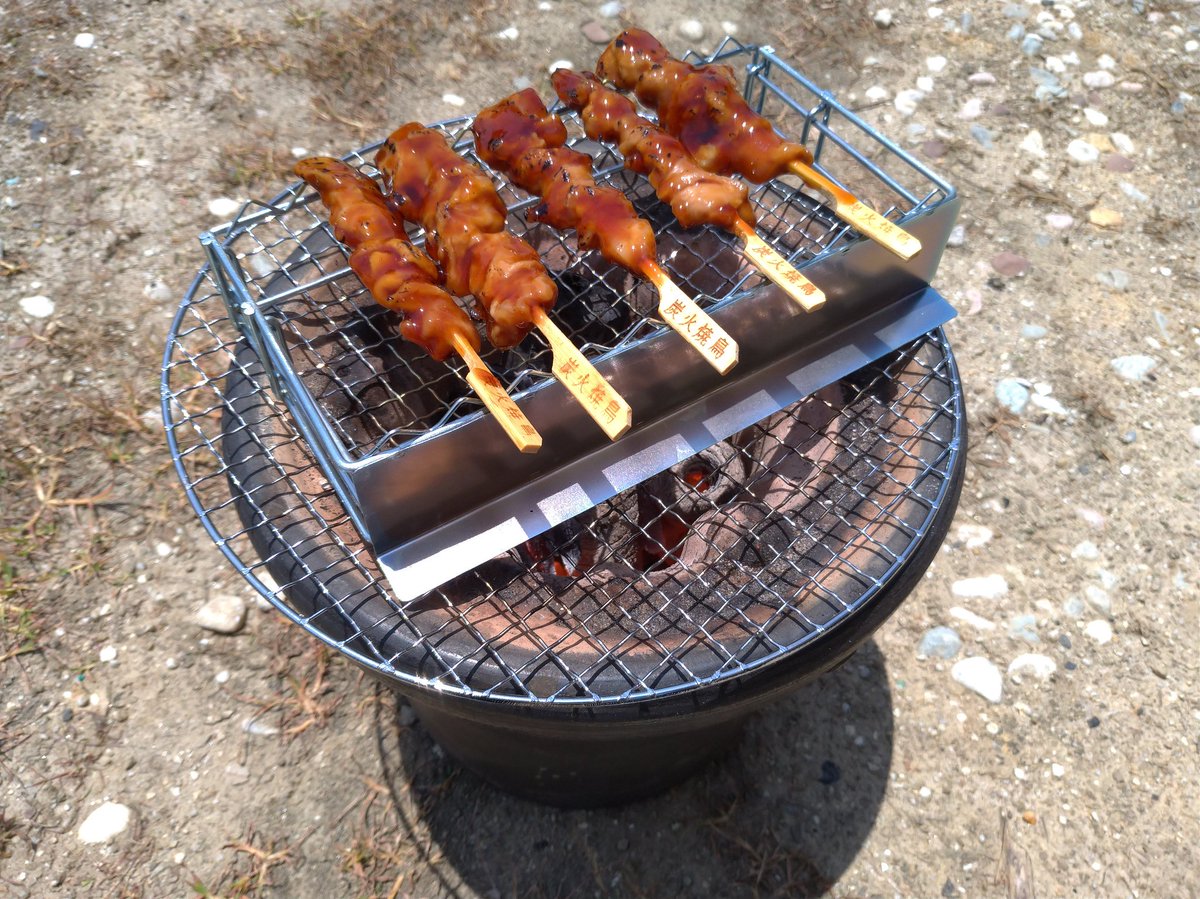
(784, 814)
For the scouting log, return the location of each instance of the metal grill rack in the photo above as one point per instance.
(283, 384)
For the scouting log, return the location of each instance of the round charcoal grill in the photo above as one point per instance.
(625, 648)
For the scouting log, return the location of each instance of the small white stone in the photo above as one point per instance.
(509, 34)
(1099, 79)
(972, 109)
(935, 64)
(884, 18)
(973, 536)
(692, 29)
(108, 654)
(162, 549)
(38, 306)
(1034, 144)
(1099, 630)
(925, 84)
(1095, 117)
(222, 677)
(158, 291)
(981, 78)
(1106, 62)
(1032, 664)
(979, 675)
(1019, 774)
(178, 857)
(1122, 142)
(1135, 367)
(990, 586)
(453, 100)
(1055, 64)
(223, 207)
(1082, 152)
(1086, 550)
(171, 664)
(224, 613)
(1194, 435)
(934, 12)
(1191, 46)
(299, 152)
(906, 101)
(876, 93)
(730, 28)
(966, 616)
(1059, 220)
(105, 821)
(85, 40)
(1057, 770)
(612, 9)
(560, 64)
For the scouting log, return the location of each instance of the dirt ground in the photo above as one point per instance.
(1083, 505)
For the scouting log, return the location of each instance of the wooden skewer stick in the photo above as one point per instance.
(691, 322)
(778, 269)
(507, 413)
(853, 210)
(607, 407)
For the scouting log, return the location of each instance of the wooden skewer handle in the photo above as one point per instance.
(692, 323)
(506, 412)
(606, 407)
(779, 270)
(864, 219)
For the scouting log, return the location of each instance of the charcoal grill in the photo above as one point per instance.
(596, 621)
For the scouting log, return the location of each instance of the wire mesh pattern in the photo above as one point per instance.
(722, 564)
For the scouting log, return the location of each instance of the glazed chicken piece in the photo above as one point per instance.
(695, 196)
(464, 221)
(520, 138)
(398, 275)
(702, 106)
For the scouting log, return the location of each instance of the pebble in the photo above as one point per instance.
(925, 84)
(1032, 664)
(162, 549)
(730, 28)
(1091, 517)
(1095, 117)
(1099, 630)
(595, 31)
(221, 677)
(521, 82)
(692, 29)
(1116, 278)
(990, 586)
(1033, 332)
(1010, 265)
(1024, 627)
(105, 821)
(1073, 606)
(1031, 44)
(158, 291)
(935, 64)
(224, 613)
(559, 64)
(1194, 435)
(1059, 220)
(1086, 550)
(1012, 395)
(1129, 437)
(982, 136)
(38, 306)
(973, 536)
(958, 236)
(509, 34)
(299, 152)
(979, 675)
(981, 78)
(966, 616)
(1135, 367)
(1057, 770)
(1122, 142)
(1103, 217)
(85, 40)
(223, 207)
(611, 10)
(1099, 79)
(1131, 191)
(1098, 599)
(1034, 144)
(1106, 62)
(238, 774)
(884, 17)
(972, 109)
(875, 93)
(108, 654)
(1048, 404)
(1082, 152)
(940, 643)
(453, 100)
(906, 101)
(259, 728)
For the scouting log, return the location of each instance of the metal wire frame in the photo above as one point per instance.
(508, 631)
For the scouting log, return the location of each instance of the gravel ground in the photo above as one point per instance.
(1042, 741)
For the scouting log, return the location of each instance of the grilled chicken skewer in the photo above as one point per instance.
(464, 221)
(695, 196)
(520, 138)
(702, 106)
(401, 277)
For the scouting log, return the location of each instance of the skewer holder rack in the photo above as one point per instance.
(425, 473)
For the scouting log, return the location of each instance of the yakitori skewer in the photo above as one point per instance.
(520, 138)
(464, 221)
(702, 106)
(695, 196)
(401, 277)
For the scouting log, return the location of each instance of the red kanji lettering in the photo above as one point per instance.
(720, 345)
